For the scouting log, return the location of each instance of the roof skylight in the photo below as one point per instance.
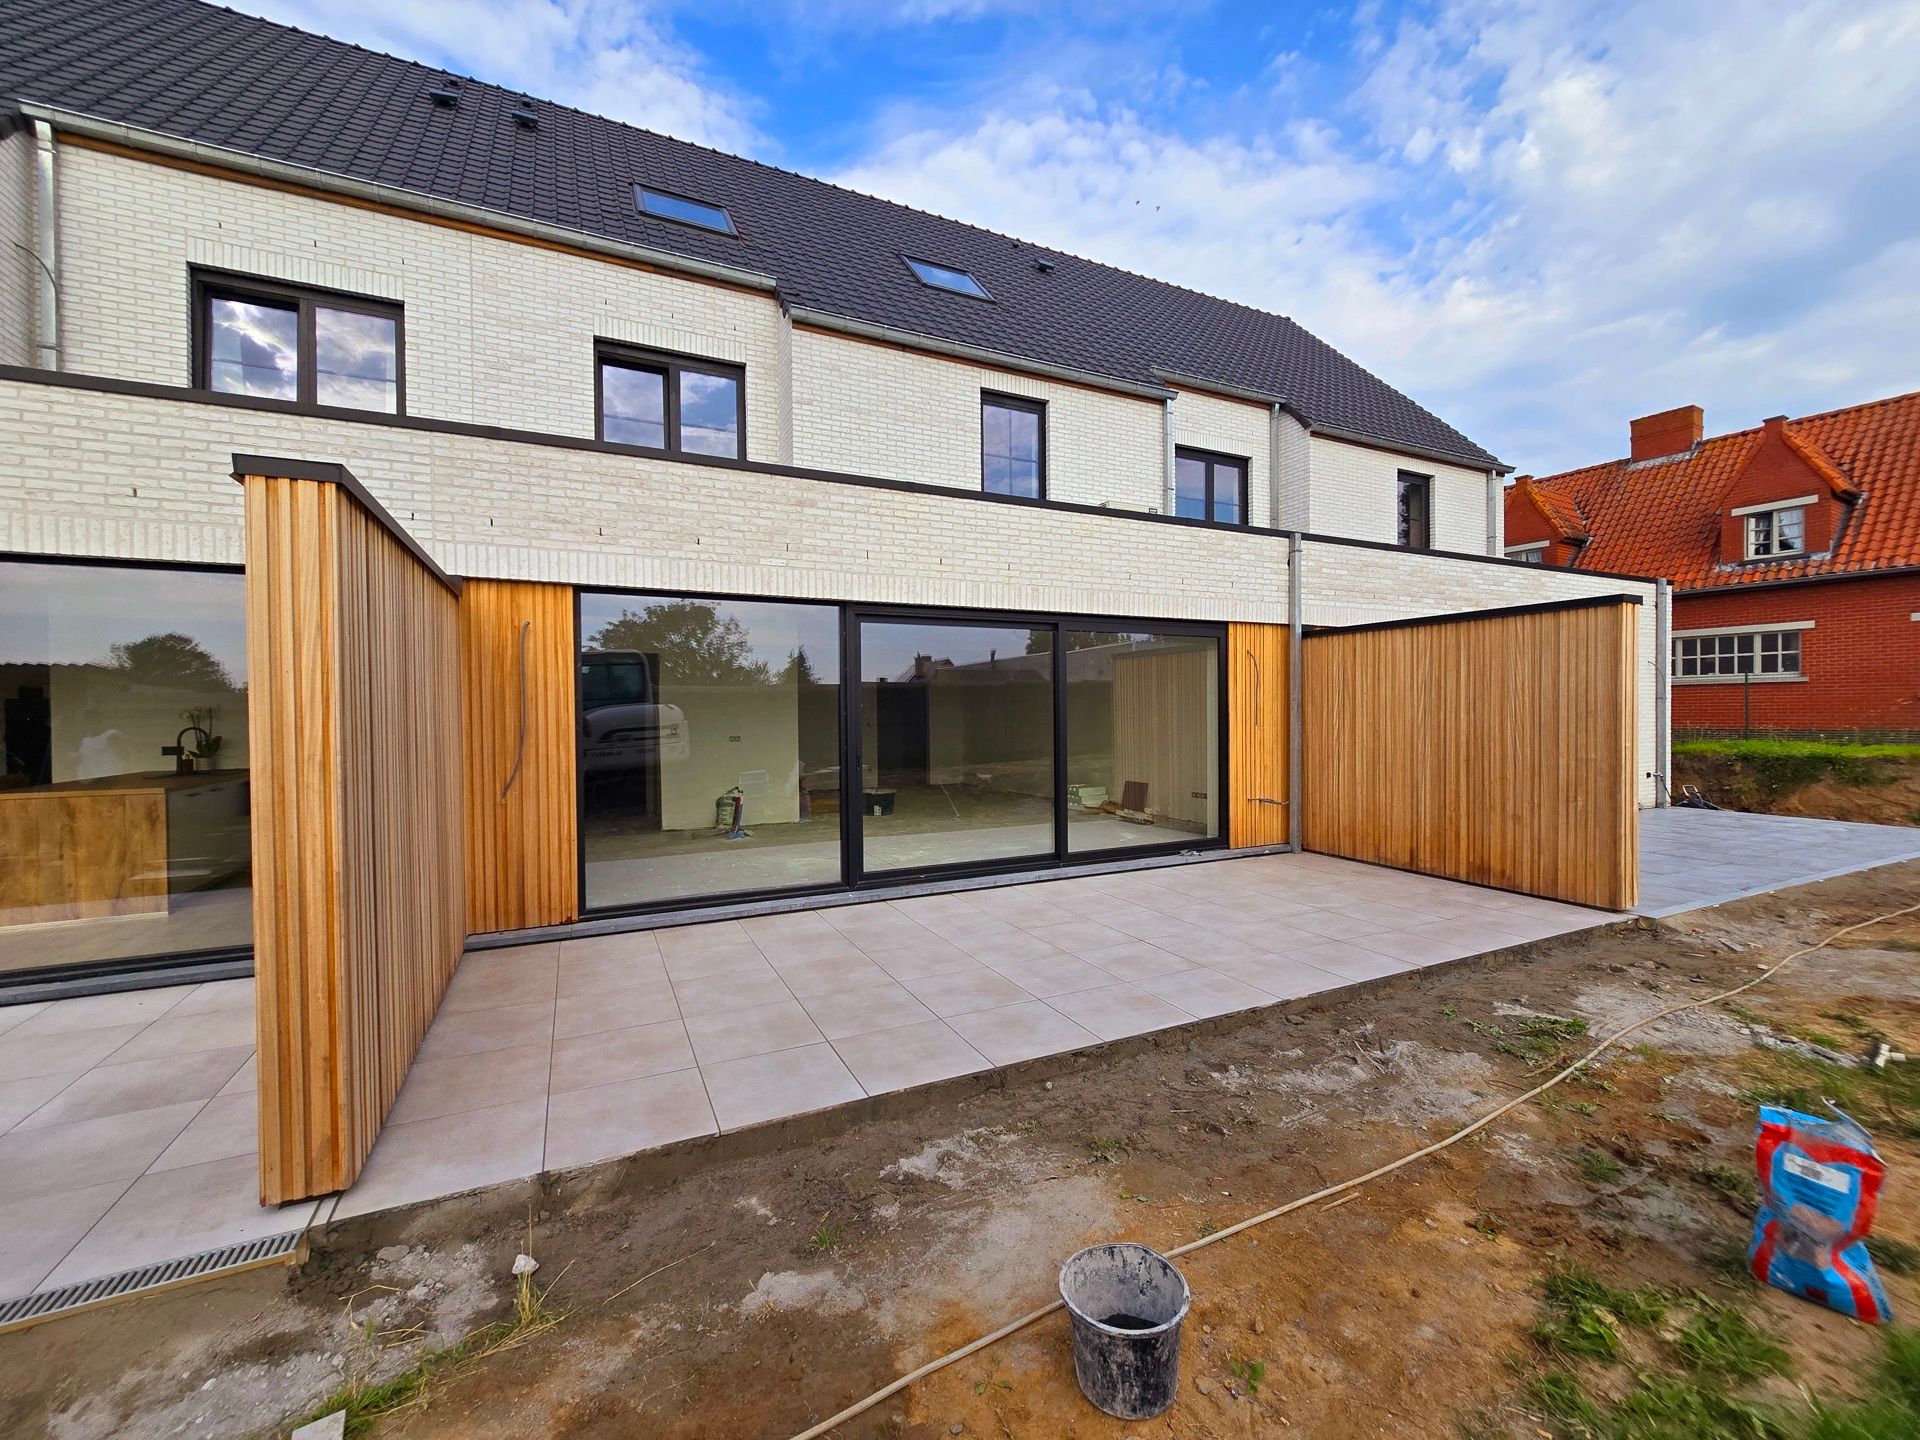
(945, 277)
(678, 207)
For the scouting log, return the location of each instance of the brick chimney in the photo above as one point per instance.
(1671, 432)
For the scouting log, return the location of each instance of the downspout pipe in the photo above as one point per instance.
(1295, 709)
(1496, 513)
(1663, 692)
(47, 241)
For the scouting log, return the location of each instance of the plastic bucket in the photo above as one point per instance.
(1127, 1303)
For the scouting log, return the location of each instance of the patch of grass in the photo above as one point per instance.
(1584, 1313)
(1723, 1342)
(1884, 1100)
(1248, 1372)
(1731, 1181)
(1786, 765)
(1106, 1152)
(1896, 1257)
(1597, 1167)
(1205, 1228)
(1726, 1257)
(826, 1234)
(1826, 749)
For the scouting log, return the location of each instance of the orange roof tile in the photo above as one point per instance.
(1662, 517)
(1558, 510)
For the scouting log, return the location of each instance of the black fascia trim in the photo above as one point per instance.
(1498, 612)
(143, 389)
(326, 472)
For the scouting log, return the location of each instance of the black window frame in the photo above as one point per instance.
(914, 262)
(1013, 402)
(1413, 480)
(671, 366)
(641, 189)
(211, 285)
(1213, 459)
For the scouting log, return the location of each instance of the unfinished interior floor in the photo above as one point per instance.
(127, 1121)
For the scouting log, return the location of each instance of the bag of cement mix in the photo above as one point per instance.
(1820, 1182)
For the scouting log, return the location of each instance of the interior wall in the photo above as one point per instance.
(737, 735)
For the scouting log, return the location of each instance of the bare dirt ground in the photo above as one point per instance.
(1882, 791)
(751, 1286)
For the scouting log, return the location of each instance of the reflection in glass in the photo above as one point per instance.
(355, 357)
(1009, 450)
(254, 349)
(710, 747)
(1143, 758)
(111, 848)
(633, 406)
(709, 414)
(956, 744)
(1190, 487)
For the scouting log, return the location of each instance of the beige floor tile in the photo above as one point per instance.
(1204, 992)
(607, 1121)
(246, 1079)
(806, 978)
(794, 945)
(637, 946)
(15, 1015)
(735, 990)
(692, 939)
(216, 995)
(472, 1082)
(916, 959)
(94, 1012)
(469, 1032)
(1349, 961)
(116, 1089)
(622, 1009)
(787, 1082)
(20, 1098)
(37, 1233)
(960, 991)
(87, 1152)
(494, 979)
(873, 1007)
(1055, 974)
(888, 1060)
(1138, 922)
(1080, 936)
(222, 1130)
(753, 1030)
(177, 1034)
(23, 1056)
(606, 1056)
(1283, 978)
(1412, 947)
(448, 1154)
(1334, 924)
(1115, 1011)
(698, 964)
(1013, 1033)
(598, 971)
(1012, 945)
(1136, 960)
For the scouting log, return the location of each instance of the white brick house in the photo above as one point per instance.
(854, 473)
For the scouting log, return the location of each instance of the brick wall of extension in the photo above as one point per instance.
(1861, 659)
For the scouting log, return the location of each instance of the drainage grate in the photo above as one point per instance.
(31, 1309)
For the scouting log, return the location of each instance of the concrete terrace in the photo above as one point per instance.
(127, 1121)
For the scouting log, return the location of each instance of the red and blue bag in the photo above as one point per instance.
(1820, 1182)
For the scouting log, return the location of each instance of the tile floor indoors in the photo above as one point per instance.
(127, 1127)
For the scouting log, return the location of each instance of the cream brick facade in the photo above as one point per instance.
(1231, 427)
(1353, 491)
(18, 264)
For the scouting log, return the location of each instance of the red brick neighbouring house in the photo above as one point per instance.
(1794, 552)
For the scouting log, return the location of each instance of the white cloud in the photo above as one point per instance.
(611, 57)
(1552, 216)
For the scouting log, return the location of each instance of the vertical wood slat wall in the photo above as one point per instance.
(1256, 734)
(1497, 749)
(359, 889)
(521, 852)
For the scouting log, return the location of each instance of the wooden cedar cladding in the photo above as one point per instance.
(1496, 748)
(359, 897)
(1256, 810)
(521, 849)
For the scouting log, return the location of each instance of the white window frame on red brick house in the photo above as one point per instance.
(1736, 654)
(1535, 554)
(1761, 525)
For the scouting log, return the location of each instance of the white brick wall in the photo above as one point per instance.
(1354, 493)
(498, 333)
(18, 270)
(1293, 500)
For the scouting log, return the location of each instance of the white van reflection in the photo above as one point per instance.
(624, 726)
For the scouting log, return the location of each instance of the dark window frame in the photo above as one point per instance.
(1213, 459)
(1030, 406)
(211, 285)
(671, 365)
(1404, 481)
(914, 262)
(642, 189)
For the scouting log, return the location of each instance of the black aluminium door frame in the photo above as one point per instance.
(852, 777)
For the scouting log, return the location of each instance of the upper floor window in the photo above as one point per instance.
(282, 342)
(1013, 446)
(1772, 533)
(1528, 554)
(668, 206)
(1764, 654)
(1416, 511)
(946, 277)
(1209, 487)
(666, 402)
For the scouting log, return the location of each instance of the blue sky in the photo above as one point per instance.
(1538, 217)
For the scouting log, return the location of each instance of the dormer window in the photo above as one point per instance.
(1776, 531)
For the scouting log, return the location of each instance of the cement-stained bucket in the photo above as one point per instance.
(1127, 1303)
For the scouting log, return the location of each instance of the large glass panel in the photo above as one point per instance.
(709, 414)
(956, 743)
(111, 847)
(1228, 481)
(633, 406)
(1143, 738)
(253, 348)
(356, 359)
(1010, 449)
(1190, 487)
(710, 747)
